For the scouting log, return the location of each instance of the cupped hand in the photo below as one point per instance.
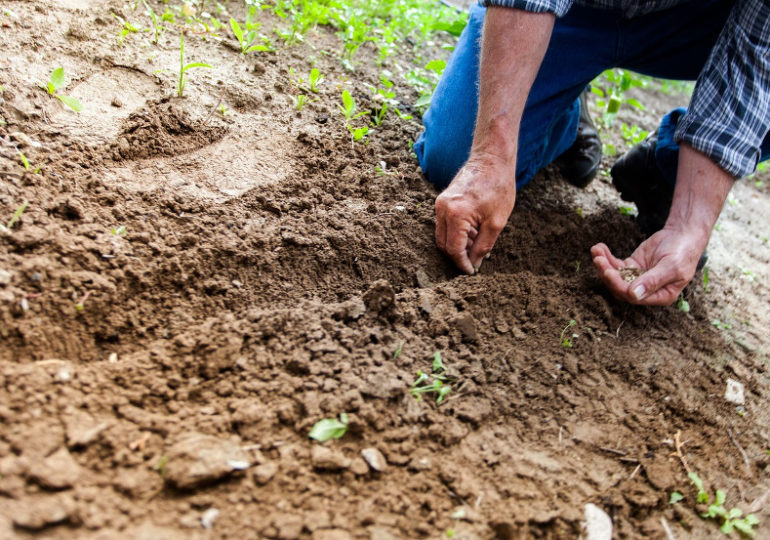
(472, 211)
(668, 259)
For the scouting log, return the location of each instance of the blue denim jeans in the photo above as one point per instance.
(671, 44)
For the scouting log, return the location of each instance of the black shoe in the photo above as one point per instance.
(580, 163)
(638, 179)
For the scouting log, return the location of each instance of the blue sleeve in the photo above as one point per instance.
(557, 7)
(729, 114)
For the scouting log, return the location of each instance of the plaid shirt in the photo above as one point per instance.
(729, 114)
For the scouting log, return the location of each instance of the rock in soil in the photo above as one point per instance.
(43, 512)
(264, 473)
(57, 471)
(380, 296)
(326, 459)
(375, 459)
(734, 392)
(597, 524)
(198, 459)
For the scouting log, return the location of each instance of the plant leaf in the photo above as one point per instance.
(349, 103)
(258, 48)
(675, 497)
(195, 65)
(70, 102)
(236, 28)
(57, 79)
(328, 428)
(436, 65)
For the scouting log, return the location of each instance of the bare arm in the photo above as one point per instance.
(669, 257)
(475, 207)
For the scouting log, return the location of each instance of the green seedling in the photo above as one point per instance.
(183, 68)
(157, 26)
(27, 165)
(398, 350)
(17, 215)
(731, 519)
(160, 466)
(247, 35)
(627, 211)
(223, 110)
(349, 107)
(682, 304)
(329, 428)
(119, 231)
(126, 28)
(299, 101)
(675, 497)
(705, 278)
(55, 82)
(314, 79)
(440, 383)
(568, 341)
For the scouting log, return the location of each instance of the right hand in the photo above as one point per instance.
(473, 209)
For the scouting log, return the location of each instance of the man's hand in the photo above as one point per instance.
(669, 257)
(473, 210)
(475, 207)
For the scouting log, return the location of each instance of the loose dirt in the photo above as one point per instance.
(188, 293)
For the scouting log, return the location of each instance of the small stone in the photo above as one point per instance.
(5, 277)
(82, 429)
(209, 517)
(358, 466)
(597, 524)
(421, 464)
(326, 459)
(425, 304)
(331, 534)
(265, 472)
(467, 326)
(734, 392)
(124, 147)
(23, 139)
(112, 358)
(198, 459)
(40, 513)
(116, 102)
(422, 279)
(57, 471)
(375, 459)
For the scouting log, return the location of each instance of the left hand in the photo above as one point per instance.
(668, 259)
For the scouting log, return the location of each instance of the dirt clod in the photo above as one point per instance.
(198, 459)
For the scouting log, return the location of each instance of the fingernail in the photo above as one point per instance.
(639, 292)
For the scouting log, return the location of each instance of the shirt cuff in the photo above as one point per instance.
(557, 7)
(736, 155)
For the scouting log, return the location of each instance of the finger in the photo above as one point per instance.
(473, 233)
(440, 228)
(457, 246)
(601, 250)
(612, 279)
(485, 241)
(659, 286)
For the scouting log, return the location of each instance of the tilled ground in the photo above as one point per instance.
(162, 377)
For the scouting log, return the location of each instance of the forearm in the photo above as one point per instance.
(700, 193)
(513, 46)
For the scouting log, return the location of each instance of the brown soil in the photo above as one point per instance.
(267, 273)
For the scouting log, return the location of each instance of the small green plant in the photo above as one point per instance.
(55, 82)
(26, 164)
(398, 350)
(126, 28)
(731, 519)
(247, 35)
(160, 466)
(119, 231)
(568, 341)
(705, 278)
(157, 26)
(183, 68)
(329, 428)
(437, 382)
(17, 215)
(675, 497)
(315, 79)
(682, 304)
(349, 107)
(627, 210)
(299, 101)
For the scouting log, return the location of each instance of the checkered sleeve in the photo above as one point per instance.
(729, 114)
(557, 7)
